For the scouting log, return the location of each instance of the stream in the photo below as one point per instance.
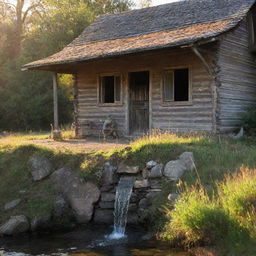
(90, 240)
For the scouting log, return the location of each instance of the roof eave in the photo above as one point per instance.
(52, 66)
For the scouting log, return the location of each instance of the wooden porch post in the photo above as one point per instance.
(56, 133)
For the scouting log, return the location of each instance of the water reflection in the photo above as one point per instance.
(88, 241)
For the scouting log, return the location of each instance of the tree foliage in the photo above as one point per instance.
(30, 30)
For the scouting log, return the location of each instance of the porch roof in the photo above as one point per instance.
(164, 26)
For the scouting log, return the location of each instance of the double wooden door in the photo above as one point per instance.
(139, 102)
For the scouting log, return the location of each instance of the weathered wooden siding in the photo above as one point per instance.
(237, 78)
(196, 115)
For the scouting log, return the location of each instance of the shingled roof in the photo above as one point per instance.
(168, 25)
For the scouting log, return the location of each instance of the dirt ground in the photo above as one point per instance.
(81, 145)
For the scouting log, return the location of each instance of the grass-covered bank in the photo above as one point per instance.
(218, 224)
(225, 219)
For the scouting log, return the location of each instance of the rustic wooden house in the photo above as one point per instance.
(183, 66)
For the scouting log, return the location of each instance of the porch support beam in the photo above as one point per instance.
(201, 57)
(56, 133)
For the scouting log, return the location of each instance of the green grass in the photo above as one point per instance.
(16, 180)
(18, 137)
(226, 220)
(201, 214)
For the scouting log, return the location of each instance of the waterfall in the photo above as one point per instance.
(123, 195)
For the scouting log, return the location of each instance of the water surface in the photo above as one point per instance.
(88, 241)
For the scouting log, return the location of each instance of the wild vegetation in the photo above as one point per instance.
(216, 206)
(31, 30)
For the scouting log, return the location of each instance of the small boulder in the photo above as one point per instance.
(132, 207)
(132, 218)
(141, 183)
(188, 159)
(174, 170)
(40, 223)
(145, 173)
(151, 164)
(103, 216)
(12, 204)
(15, 225)
(173, 197)
(80, 195)
(40, 167)
(123, 168)
(106, 205)
(60, 207)
(145, 203)
(107, 188)
(156, 183)
(108, 174)
(156, 171)
(108, 197)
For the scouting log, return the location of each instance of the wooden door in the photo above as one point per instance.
(139, 102)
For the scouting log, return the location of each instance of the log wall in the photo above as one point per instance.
(237, 78)
(196, 115)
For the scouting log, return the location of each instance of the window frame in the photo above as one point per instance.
(251, 29)
(99, 90)
(167, 103)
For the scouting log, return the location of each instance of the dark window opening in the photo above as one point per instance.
(176, 85)
(110, 89)
(252, 29)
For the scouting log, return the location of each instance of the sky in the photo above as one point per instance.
(154, 2)
(157, 2)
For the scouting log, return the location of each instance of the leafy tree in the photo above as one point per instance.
(44, 27)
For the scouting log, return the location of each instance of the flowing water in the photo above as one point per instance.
(123, 195)
(92, 240)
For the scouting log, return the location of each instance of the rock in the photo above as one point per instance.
(12, 204)
(156, 171)
(107, 205)
(151, 164)
(123, 168)
(108, 197)
(132, 218)
(106, 188)
(103, 216)
(40, 167)
(145, 173)
(80, 196)
(173, 197)
(188, 160)
(40, 223)
(141, 183)
(151, 195)
(154, 190)
(15, 225)
(174, 170)
(144, 203)
(60, 207)
(239, 135)
(148, 236)
(134, 198)
(132, 207)
(143, 215)
(108, 174)
(155, 183)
